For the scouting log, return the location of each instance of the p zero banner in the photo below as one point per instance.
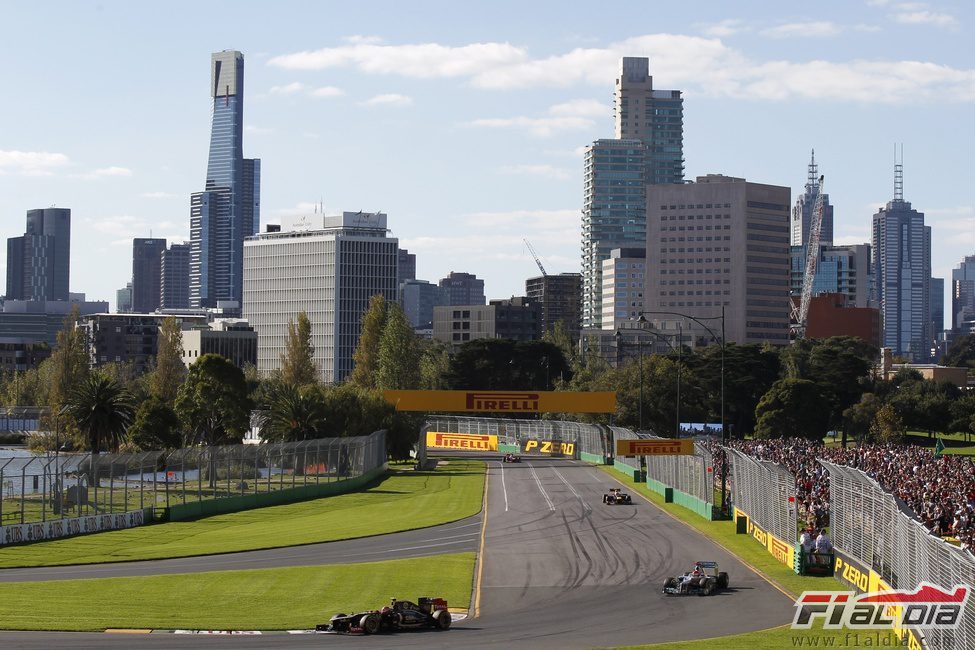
(781, 551)
(549, 447)
(497, 401)
(655, 447)
(462, 441)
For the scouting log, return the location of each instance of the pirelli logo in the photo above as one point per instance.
(655, 447)
(462, 441)
(494, 401)
(501, 401)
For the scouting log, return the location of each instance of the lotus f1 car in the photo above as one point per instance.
(511, 458)
(704, 580)
(400, 615)
(616, 497)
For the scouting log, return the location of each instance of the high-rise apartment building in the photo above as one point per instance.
(841, 269)
(406, 262)
(720, 242)
(330, 273)
(123, 299)
(174, 270)
(902, 274)
(624, 273)
(802, 213)
(558, 297)
(462, 289)
(228, 210)
(146, 278)
(39, 262)
(937, 292)
(648, 150)
(963, 293)
(418, 298)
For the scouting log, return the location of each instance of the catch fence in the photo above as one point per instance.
(882, 534)
(766, 493)
(589, 439)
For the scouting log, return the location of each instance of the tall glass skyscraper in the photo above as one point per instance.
(229, 207)
(39, 262)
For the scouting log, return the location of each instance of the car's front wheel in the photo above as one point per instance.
(370, 623)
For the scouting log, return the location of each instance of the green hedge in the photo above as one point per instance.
(209, 507)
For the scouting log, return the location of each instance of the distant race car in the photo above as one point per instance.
(704, 580)
(617, 497)
(399, 615)
(511, 458)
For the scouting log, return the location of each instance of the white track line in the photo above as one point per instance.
(501, 465)
(551, 506)
(585, 504)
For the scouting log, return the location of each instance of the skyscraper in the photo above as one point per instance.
(559, 298)
(648, 150)
(146, 261)
(228, 210)
(406, 262)
(902, 273)
(963, 292)
(802, 213)
(462, 289)
(174, 269)
(39, 262)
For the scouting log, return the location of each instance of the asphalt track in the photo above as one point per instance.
(559, 570)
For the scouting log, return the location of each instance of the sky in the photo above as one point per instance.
(465, 121)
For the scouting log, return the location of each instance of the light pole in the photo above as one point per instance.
(724, 429)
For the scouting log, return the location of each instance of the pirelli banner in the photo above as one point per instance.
(496, 401)
(655, 447)
(461, 441)
(778, 549)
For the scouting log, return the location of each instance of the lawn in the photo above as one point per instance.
(404, 500)
(258, 599)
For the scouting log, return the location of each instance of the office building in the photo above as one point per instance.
(146, 278)
(128, 338)
(174, 271)
(963, 293)
(30, 321)
(462, 289)
(937, 291)
(802, 212)
(624, 273)
(559, 297)
(836, 314)
(406, 263)
(228, 209)
(330, 273)
(123, 299)
(721, 242)
(232, 338)
(418, 298)
(902, 274)
(840, 269)
(516, 318)
(39, 262)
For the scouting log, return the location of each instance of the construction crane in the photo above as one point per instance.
(535, 255)
(801, 312)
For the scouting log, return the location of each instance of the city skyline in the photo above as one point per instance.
(371, 122)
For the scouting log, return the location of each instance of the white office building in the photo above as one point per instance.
(328, 267)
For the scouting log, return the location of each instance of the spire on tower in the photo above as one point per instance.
(899, 174)
(812, 176)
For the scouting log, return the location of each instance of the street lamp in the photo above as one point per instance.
(724, 430)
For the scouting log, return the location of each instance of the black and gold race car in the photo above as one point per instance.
(399, 615)
(617, 497)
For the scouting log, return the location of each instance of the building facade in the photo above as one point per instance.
(937, 291)
(462, 289)
(559, 298)
(418, 298)
(835, 314)
(517, 319)
(720, 245)
(624, 273)
(841, 269)
(123, 299)
(146, 277)
(963, 293)
(233, 339)
(406, 263)
(228, 209)
(802, 212)
(330, 273)
(128, 338)
(174, 271)
(39, 262)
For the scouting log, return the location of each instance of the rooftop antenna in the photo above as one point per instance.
(812, 176)
(899, 174)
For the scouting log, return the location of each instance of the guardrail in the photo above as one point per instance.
(589, 441)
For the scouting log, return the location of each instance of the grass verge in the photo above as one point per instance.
(258, 599)
(404, 500)
(750, 552)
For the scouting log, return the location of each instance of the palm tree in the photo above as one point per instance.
(294, 413)
(102, 409)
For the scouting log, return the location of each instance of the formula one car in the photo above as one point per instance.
(704, 580)
(511, 458)
(400, 615)
(616, 497)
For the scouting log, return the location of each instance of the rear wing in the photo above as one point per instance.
(708, 565)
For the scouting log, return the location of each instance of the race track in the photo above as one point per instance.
(559, 570)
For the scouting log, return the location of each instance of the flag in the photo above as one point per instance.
(939, 448)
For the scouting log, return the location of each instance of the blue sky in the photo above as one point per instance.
(465, 121)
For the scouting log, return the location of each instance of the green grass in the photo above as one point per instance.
(259, 599)
(404, 500)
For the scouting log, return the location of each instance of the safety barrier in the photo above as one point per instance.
(575, 439)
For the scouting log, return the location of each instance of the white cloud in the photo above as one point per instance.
(574, 114)
(544, 171)
(297, 210)
(105, 172)
(725, 28)
(31, 163)
(287, 89)
(326, 91)
(809, 29)
(120, 230)
(157, 195)
(361, 39)
(925, 17)
(389, 99)
(581, 108)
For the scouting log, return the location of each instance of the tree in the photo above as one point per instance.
(750, 372)
(170, 370)
(298, 366)
(24, 388)
(353, 411)
(504, 364)
(212, 403)
(293, 413)
(961, 353)
(156, 426)
(434, 365)
(101, 409)
(859, 417)
(841, 367)
(366, 354)
(558, 335)
(887, 426)
(792, 408)
(398, 362)
(68, 363)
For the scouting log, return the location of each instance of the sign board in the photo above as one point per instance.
(497, 401)
(549, 447)
(655, 447)
(461, 441)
